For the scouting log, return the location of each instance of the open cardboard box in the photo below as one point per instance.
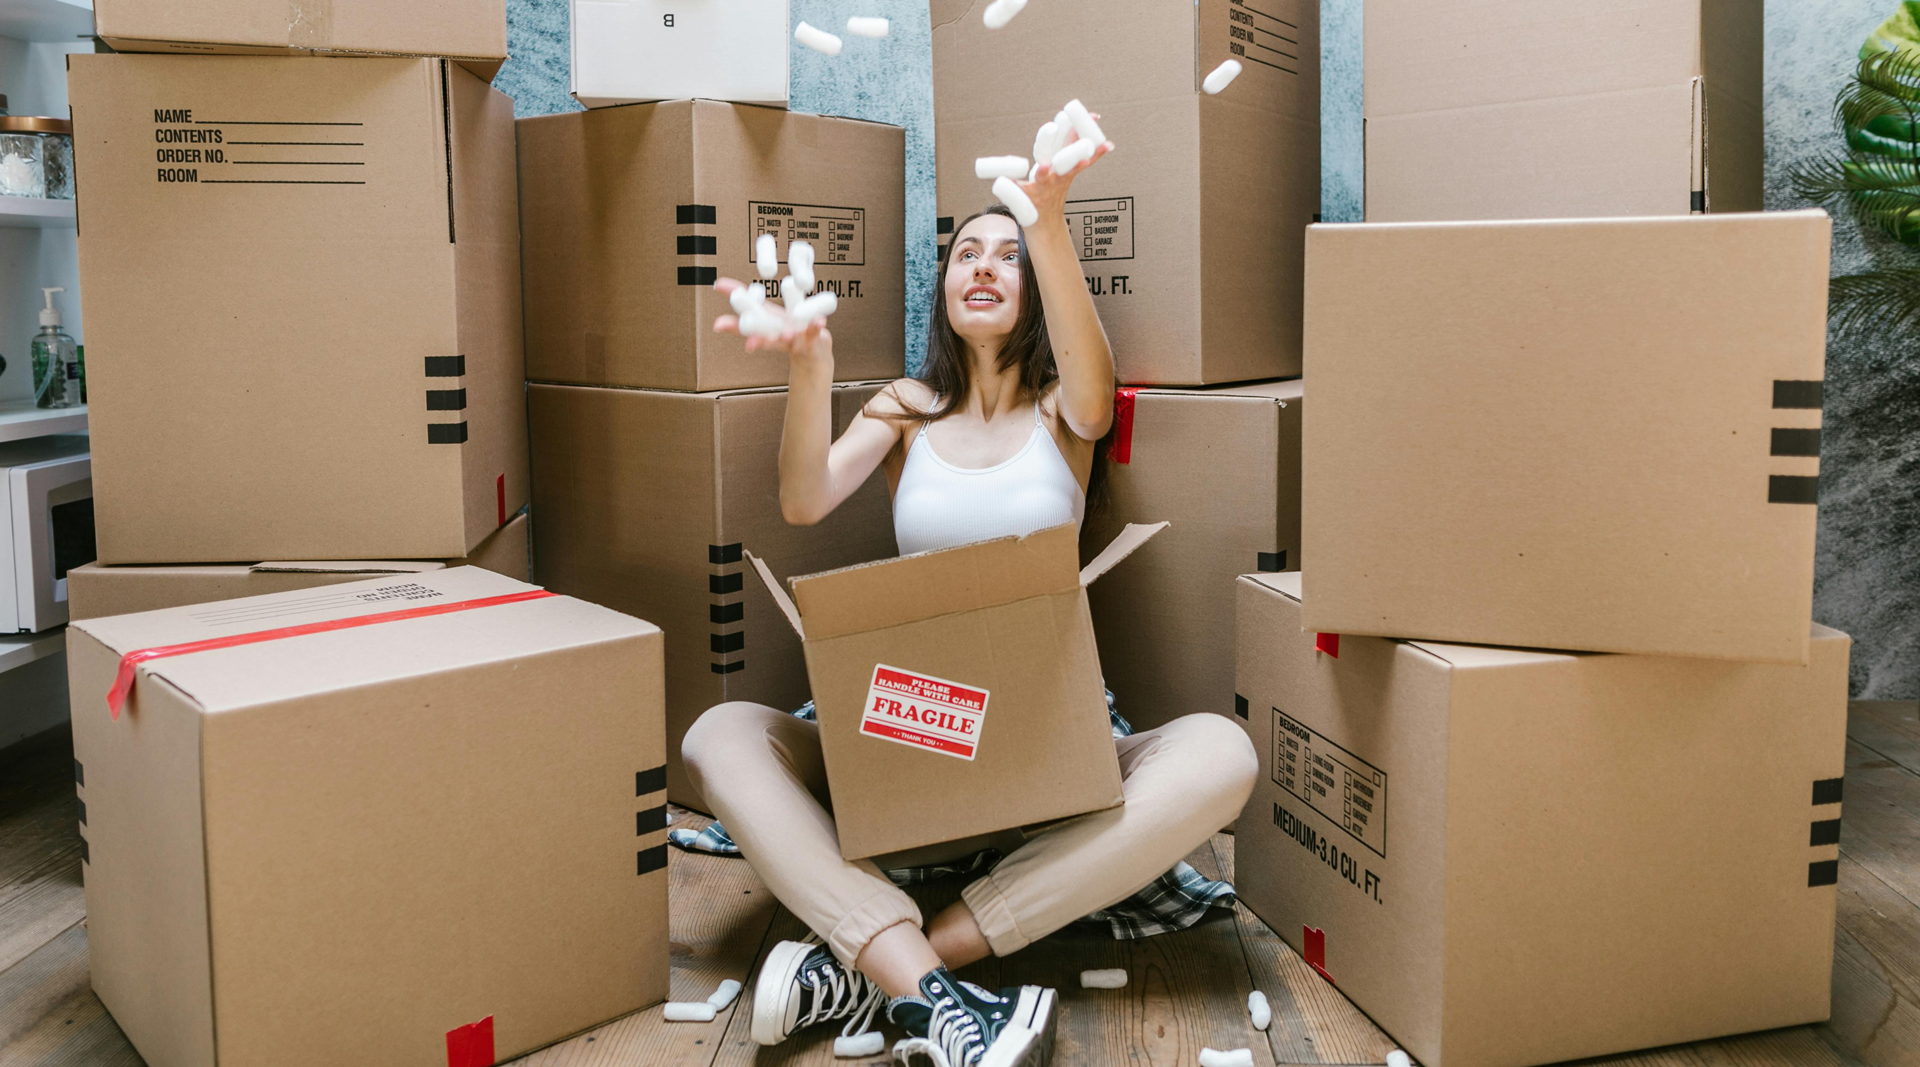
(968, 672)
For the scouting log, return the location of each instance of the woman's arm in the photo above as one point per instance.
(1079, 341)
(817, 473)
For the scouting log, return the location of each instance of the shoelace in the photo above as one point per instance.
(864, 1015)
(956, 1031)
(837, 993)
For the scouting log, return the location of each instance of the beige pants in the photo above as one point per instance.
(761, 772)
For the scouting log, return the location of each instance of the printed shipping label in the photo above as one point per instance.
(930, 713)
(1331, 780)
(838, 234)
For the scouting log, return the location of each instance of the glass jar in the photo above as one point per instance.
(36, 157)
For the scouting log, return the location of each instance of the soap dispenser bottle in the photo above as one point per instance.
(56, 363)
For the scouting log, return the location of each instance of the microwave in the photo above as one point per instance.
(46, 528)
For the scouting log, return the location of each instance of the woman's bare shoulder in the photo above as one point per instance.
(900, 399)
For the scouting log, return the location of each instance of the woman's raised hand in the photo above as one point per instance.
(807, 343)
(1048, 190)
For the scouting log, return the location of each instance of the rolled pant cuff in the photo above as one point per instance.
(993, 914)
(883, 910)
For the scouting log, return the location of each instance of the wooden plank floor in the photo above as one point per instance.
(1187, 989)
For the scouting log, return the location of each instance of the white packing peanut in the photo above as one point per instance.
(724, 995)
(1083, 123)
(680, 1011)
(1043, 146)
(1112, 978)
(1398, 1058)
(800, 265)
(1239, 1057)
(1011, 195)
(760, 321)
(1221, 77)
(1000, 167)
(871, 1043)
(743, 301)
(1001, 12)
(1034, 174)
(790, 293)
(1073, 155)
(1259, 1010)
(861, 26)
(766, 256)
(1062, 126)
(817, 39)
(818, 306)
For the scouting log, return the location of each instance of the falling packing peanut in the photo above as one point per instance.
(868, 1044)
(818, 306)
(766, 256)
(1398, 1058)
(1001, 12)
(1240, 1057)
(1016, 200)
(817, 39)
(1221, 77)
(1073, 155)
(1113, 978)
(867, 27)
(1259, 1010)
(680, 1011)
(1000, 167)
(1044, 145)
(746, 298)
(724, 995)
(800, 265)
(1083, 123)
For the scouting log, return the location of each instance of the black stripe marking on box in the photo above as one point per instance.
(653, 859)
(1822, 872)
(728, 668)
(943, 224)
(646, 822)
(699, 275)
(446, 366)
(446, 400)
(652, 781)
(86, 854)
(1825, 832)
(1271, 562)
(719, 554)
(690, 214)
(722, 584)
(940, 251)
(1240, 705)
(79, 773)
(725, 643)
(1793, 489)
(1828, 790)
(1796, 442)
(1798, 394)
(722, 614)
(697, 244)
(1697, 202)
(83, 813)
(446, 433)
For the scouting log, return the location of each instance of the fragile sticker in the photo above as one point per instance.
(924, 712)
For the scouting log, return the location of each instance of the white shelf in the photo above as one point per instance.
(34, 213)
(18, 650)
(19, 419)
(46, 20)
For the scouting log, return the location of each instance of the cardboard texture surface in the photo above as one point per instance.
(629, 214)
(632, 51)
(344, 845)
(313, 360)
(95, 591)
(1598, 434)
(1226, 461)
(1513, 109)
(998, 630)
(645, 501)
(471, 30)
(1190, 232)
(1527, 857)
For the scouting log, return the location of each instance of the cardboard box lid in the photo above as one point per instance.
(348, 566)
(415, 27)
(229, 678)
(874, 596)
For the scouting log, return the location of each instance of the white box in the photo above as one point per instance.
(632, 51)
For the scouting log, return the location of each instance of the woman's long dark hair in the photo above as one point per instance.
(948, 369)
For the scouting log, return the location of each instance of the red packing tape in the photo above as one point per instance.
(123, 679)
(1121, 450)
(1328, 643)
(1313, 948)
(471, 1045)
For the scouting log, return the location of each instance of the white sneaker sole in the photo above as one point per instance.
(1027, 1040)
(770, 991)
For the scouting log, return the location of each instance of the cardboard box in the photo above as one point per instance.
(1227, 461)
(354, 845)
(95, 591)
(1498, 109)
(1190, 233)
(646, 499)
(320, 360)
(1518, 857)
(629, 214)
(473, 31)
(1000, 629)
(1597, 434)
(632, 51)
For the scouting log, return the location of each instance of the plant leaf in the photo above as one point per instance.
(1876, 302)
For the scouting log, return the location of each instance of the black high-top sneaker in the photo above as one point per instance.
(970, 1027)
(802, 984)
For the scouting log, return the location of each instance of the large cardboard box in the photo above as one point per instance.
(1190, 233)
(646, 499)
(298, 351)
(633, 51)
(378, 839)
(964, 672)
(1514, 857)
(1226, 460)
(630, 213)
(95, 591)
(1594, 434)
(1497, 109)
(473, 31)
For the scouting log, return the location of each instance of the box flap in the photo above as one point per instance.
(348, 566)
(780, 598)
(1135, 535)
(874, 596)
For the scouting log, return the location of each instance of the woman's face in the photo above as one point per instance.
(982, 287)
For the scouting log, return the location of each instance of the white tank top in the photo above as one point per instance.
(939, 505)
